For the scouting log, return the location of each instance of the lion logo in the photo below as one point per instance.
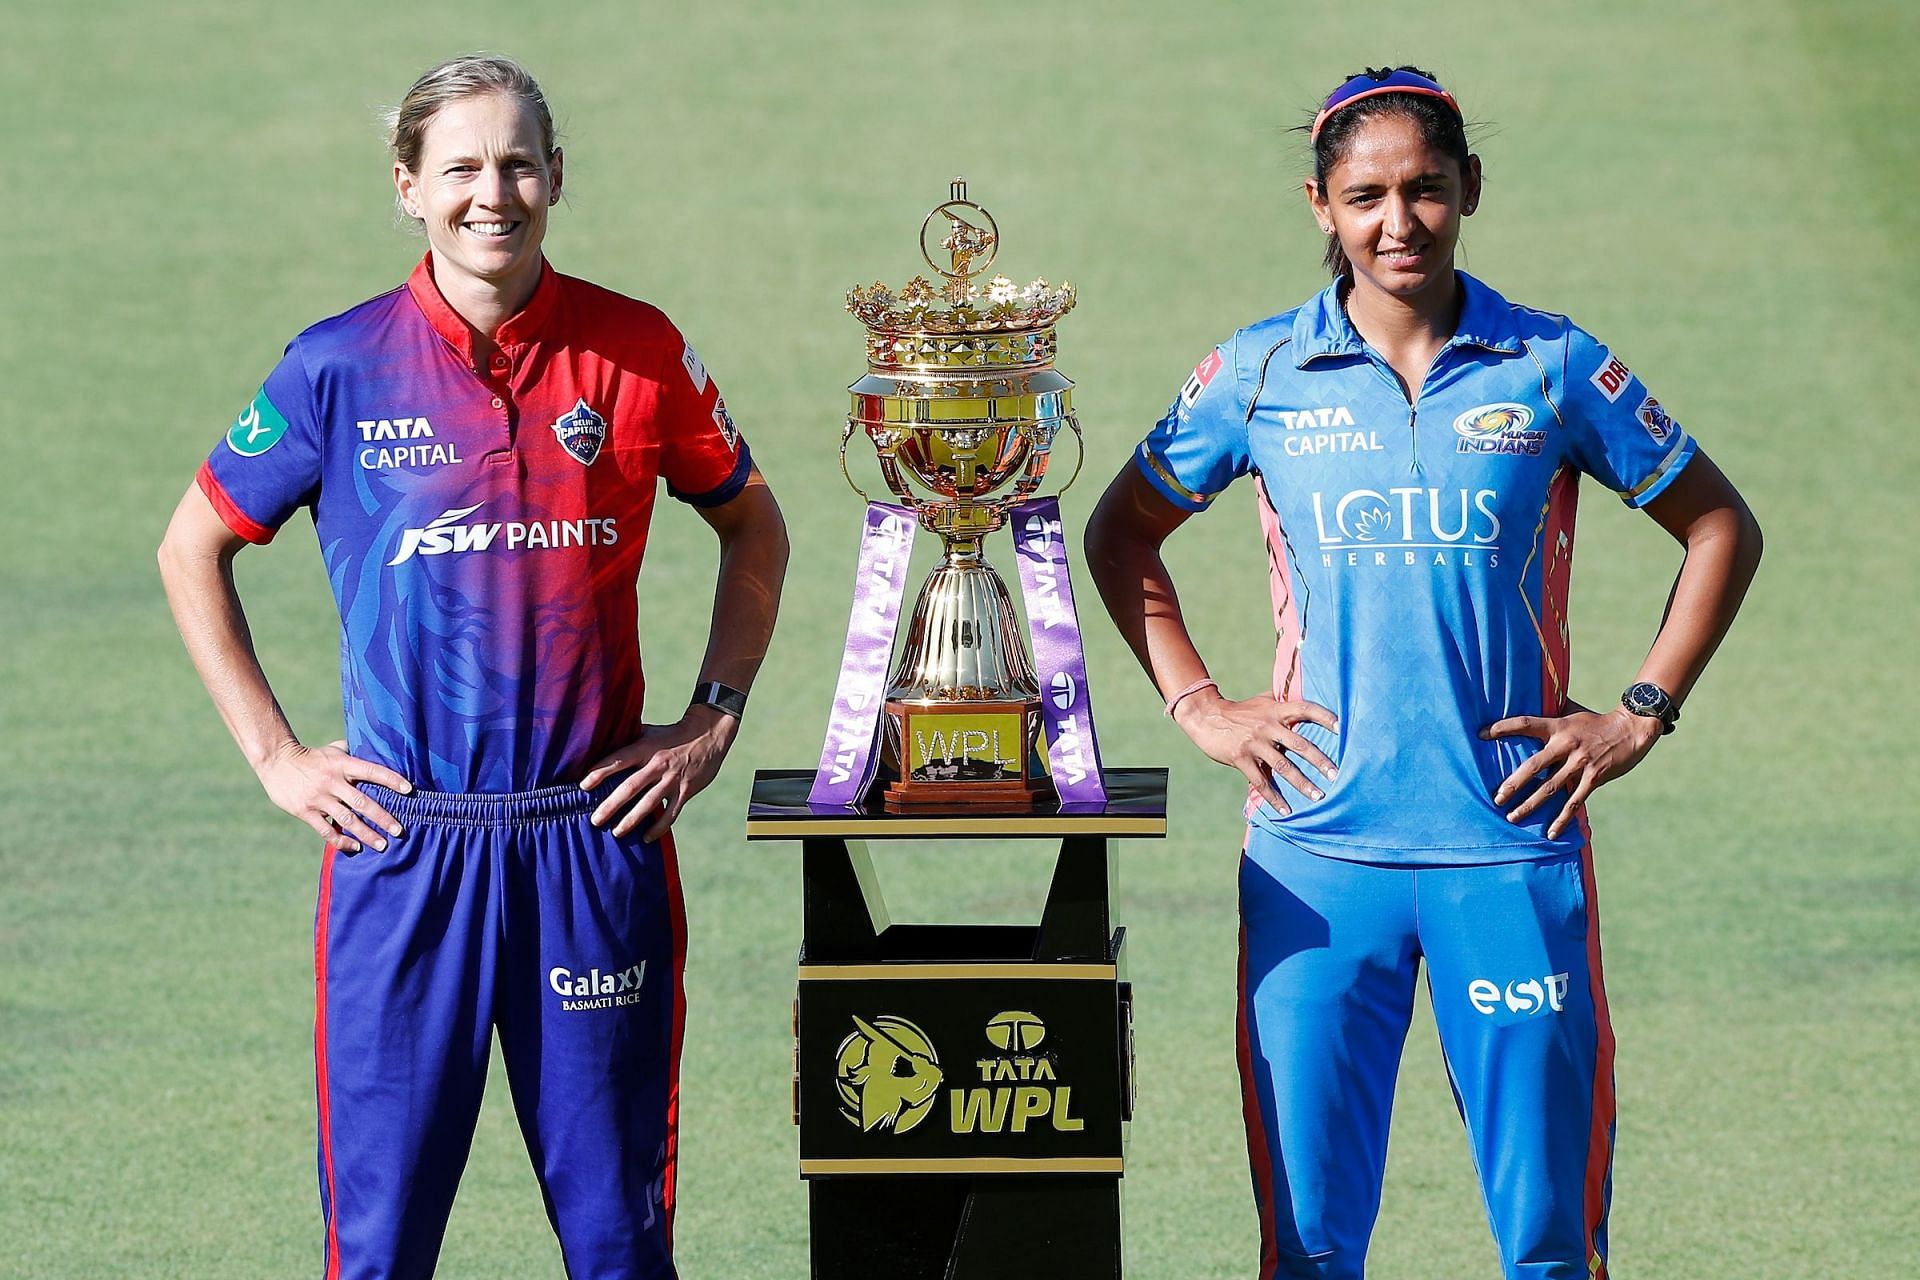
(887, 1072)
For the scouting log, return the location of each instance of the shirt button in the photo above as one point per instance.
(500, 362)
(498, 403)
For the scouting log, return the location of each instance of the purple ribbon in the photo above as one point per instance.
(1073, 751)
(848, 759)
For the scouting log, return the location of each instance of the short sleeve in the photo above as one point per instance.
(702, 457)
(1622, 436)
(1200, 447)
(268, 465)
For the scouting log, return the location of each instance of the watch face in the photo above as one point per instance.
(1647, 699)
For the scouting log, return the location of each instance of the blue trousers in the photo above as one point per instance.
(1330, 954)
(511, 914)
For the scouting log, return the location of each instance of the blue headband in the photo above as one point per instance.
(1366, 85)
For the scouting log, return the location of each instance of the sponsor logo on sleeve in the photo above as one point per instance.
(1202, 375)
(258, 428)
(696, 371)
(724, 422)
(1611, 378)
(1655, 420)
(1498, 428)
(581, 432)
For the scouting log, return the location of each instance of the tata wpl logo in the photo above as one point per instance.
(1019, 1085)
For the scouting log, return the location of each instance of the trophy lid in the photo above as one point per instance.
(960, 327)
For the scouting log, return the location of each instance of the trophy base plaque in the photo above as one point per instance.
(976, 757)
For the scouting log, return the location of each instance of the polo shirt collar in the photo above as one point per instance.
(519, 327)
(1321, 327)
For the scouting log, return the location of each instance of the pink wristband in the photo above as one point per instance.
(1195, 687)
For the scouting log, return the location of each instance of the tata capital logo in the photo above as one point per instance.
(597, 988)
(1527, 997)
(1498, 428)
(378, 455)
(446, 535)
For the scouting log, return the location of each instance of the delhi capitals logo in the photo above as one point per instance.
(581, 432)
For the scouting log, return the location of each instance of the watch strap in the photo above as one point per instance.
(723, 698)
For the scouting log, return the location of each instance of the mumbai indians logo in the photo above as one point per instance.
(887, 1073)
(1498, 428)
(581, 432)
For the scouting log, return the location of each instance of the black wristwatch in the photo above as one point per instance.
(723, 698)
(1646, 698)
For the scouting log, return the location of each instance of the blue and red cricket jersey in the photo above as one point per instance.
(1420, 551)
(482, 508)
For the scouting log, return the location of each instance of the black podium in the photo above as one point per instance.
(962, 1091)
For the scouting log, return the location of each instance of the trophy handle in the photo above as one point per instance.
(1079, 452)
(847, 435)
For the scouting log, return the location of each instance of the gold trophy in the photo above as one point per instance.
(962, 404)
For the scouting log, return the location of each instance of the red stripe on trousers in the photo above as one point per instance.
(1600, 1137)
(321, 915)
(1258, 1153)
(677, 910)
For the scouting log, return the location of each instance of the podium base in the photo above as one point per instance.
(965, 1228)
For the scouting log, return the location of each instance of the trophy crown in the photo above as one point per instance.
(957, 324)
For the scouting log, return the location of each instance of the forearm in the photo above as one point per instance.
(746, 596)
(1140, 597)
(1722, 553)
(199, 583)
(1123, 542)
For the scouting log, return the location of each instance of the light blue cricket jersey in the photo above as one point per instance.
(1420, 552)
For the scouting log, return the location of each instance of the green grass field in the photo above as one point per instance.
(1725, 191)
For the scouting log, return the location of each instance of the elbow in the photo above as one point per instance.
(169, 554)
(1750, 541)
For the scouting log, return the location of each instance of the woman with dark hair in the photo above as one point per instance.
(1419, 771)
(480, 450)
